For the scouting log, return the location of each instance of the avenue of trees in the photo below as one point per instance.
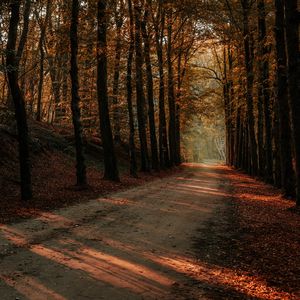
(123, 69)
(261, 81)
(110, 68)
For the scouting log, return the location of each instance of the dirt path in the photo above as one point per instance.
(137, 244)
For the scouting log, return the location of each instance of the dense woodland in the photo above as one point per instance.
(139, 72)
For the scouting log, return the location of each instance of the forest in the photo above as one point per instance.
(99, 96)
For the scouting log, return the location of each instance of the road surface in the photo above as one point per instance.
(136, 244)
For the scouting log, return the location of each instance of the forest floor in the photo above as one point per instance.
(207, 232)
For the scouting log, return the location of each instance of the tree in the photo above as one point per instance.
(140, 96)
(19, 103)
(118, 51)
(43, 28)
(110, 161)
(159, 26)
(132, 148)
(248, 60)
(292, 46)
(171, 95)
(267, 163)
(150, 92)
(285, 145)
(80, 166)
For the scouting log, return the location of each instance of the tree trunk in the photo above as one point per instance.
(264, 82)
(252, 159)
(118, 50)
(19, 103)
(80, 160)
(42, 57)
(150, 94)
(140, 97)
(178, 97)
(110, 161)
(132, 148)
(171, 95)
(236, 161)
(163, 139)
(226, 98)
(285, 142)
(292, 43)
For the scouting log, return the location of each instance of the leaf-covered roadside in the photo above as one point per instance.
(57, 191)
(268, 246)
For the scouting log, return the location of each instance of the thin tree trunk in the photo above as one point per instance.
(178, 97)
(132, 148)
(110, 160)
(118, 50)
(252, 159)
(163, 139)
(23, 38)
(236, 160)
(150, 94)
(42, 57)
(80, 160)
(19, 103)
(140, 97)
(171, 95)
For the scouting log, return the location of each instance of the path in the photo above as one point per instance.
(137, 244)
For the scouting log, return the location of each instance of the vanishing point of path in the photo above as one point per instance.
(137, 244)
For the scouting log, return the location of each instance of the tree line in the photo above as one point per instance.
(260, 76)
(111, 67)
(122, 69)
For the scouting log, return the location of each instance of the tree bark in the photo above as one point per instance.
(150, 94)
(80, 159)
(140, 97)
(282, 99)
(110, 160)
(132, 148)
(171, 95)
(264, 82)
(116, 79)
(19, 103)
(163, 138)
(292, 46)
(42, 57)
(248, 60)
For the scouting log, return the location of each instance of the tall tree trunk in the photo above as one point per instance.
(252, 159)
(163, 138)
(150, 94)
(260, 130)
(292, 43)
(178, 97)
(80, 160)
(226, 98)
(23, 38)
(276, 150)
(110, 160)
(118, 50)
(285, 144)
(42, 57)
(231, 103)
(132, 148)
(264, 82)
(140, 97)
(171, 95)
(236, 161)
(19, 103)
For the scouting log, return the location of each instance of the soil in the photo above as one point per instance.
(174, 238)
